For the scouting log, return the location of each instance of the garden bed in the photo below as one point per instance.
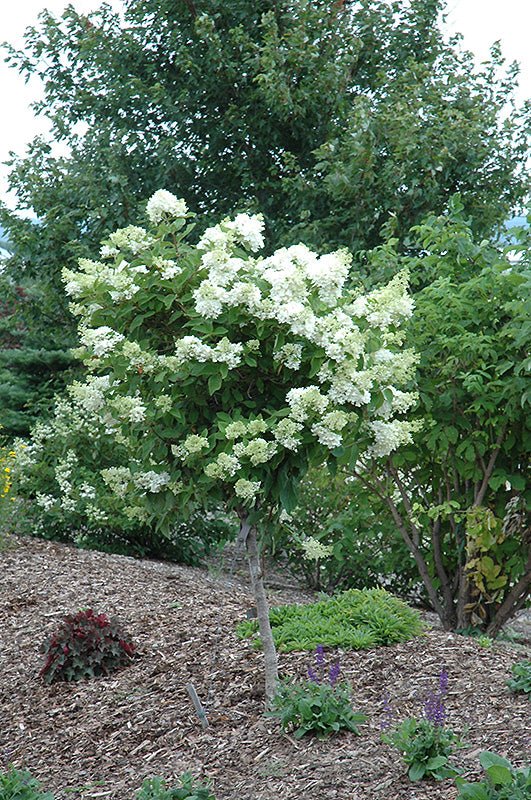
(101, 738)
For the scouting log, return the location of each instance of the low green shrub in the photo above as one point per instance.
(188, 789)
(357, 619)
(502, 781)
(20, 785)
(320, 705)
(85, 645)
(521, 680)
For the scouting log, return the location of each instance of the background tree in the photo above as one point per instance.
(331, 117)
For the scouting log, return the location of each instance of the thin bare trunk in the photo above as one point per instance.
(248, 535)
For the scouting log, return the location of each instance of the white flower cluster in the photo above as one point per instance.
(314, 550)
(191, 348)
(343, 350)
(100, 341)
(131, 238)
(120, 279)
(163, 205)
(389, 435)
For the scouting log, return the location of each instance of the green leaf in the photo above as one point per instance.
(499, 775)
(416, 771)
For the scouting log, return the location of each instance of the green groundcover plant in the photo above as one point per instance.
(320, 705)
(521, 680)
(502, 781)
(356, 619)
(18, 784)
(187, 789)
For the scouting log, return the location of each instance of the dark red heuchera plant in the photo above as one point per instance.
(83, 646)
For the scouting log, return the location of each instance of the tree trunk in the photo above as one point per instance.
(248, 535)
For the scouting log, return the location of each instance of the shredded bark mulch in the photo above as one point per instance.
(102, 737)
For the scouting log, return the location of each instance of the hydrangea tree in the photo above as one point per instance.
(226, 374)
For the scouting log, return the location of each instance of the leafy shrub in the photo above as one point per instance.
(20, 785)
(357, 619)
(83, 646)
(157, 789)
(521, 680)
(426, 744)
(70, 499)
(502, 782)
(365, 548)
(319, 705)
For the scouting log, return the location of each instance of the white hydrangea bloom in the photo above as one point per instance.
(209, 299)
(235, 430)
(258, 451)
(163, 205)
(190, 348)
(101, 341)
(224, 467)
(256, 426)
(305, 402)
(290, 355)
(246, 490)
(129, 408)
(286, 433)
(45, 501)
(229, 353)
(328, 430)
(132, 238)
(91, 395)
(248, 230)
(117, 479)
(192, 445)
(215, 238)
(151, 481)
(314, 550)
(169, 269)
(389, 435)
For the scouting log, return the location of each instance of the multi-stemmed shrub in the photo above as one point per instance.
(356, 619)
(521, 680)
(320, 705)
(188, 789)
(426, 744)
(85, 645)
(502, 781)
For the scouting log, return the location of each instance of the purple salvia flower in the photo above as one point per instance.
(443, 681)
(434, 710)
(333, 674)
(312, 676)
(388, 714)
(319, 656)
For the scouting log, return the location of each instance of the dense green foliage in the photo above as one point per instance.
(186, 789)
(356, 619)
(364, 547)
(85, 645)
(521, 680)
(18, 784)
(502, 781)
(322, 115)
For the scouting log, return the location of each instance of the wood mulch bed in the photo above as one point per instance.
(102, 737)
